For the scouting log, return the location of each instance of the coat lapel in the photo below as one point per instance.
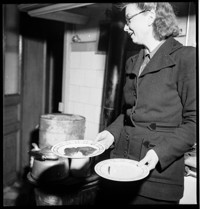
(162, 58)
(158, 62)
(138, 61)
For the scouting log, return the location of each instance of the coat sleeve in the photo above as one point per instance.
(116, 127)
(171, 148)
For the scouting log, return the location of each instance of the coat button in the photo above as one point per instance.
(146, 144)
(151, 145)
(125, 153)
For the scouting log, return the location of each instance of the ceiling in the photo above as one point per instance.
(76, 13)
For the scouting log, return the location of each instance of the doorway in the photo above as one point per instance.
(41, 78)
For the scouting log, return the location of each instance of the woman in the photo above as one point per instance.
(158, 123)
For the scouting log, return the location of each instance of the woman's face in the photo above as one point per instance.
(136, 23)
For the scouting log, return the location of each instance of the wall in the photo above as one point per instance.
(186, 17)
(86, 85)
(83, 71)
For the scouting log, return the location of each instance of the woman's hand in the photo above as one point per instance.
(105, 138)
(150, 159)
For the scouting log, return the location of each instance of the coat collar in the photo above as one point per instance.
(160, 60)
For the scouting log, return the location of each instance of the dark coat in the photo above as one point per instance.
(165, 92)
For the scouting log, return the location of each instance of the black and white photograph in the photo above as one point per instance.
(100, 104)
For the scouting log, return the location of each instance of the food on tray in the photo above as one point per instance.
(79, 151)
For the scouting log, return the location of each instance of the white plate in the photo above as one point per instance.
(119, 169)
(59, 149)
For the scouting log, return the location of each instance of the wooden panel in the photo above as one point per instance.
(10, 128)
(10, 158)
(11, 104)
(11, 99)
(34, 67)
(10, 115)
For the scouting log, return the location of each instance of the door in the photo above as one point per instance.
(32, 72)
(42, 52)
(24, 80)
(11, 93)
(33, 93)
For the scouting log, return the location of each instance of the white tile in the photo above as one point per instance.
(90, 78)
(95, 96)
(76, 77)
(74, 93)
(84, 94)
(75, 59)
(99, 61)
(97, 114)
(90, 112)
(86, 60)
(79, 109)
(99, 79)
(87, 130)
(70, 108)
(94, 130)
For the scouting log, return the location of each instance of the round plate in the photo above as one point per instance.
(59, 149)
(119, 169)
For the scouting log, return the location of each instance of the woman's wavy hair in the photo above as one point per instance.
(165, 23)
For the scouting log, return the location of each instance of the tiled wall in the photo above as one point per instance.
(86, 87)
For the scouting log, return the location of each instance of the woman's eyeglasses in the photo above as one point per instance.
(128, 20)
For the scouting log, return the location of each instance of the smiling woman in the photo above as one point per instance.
(158, 120)
(165, 23)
